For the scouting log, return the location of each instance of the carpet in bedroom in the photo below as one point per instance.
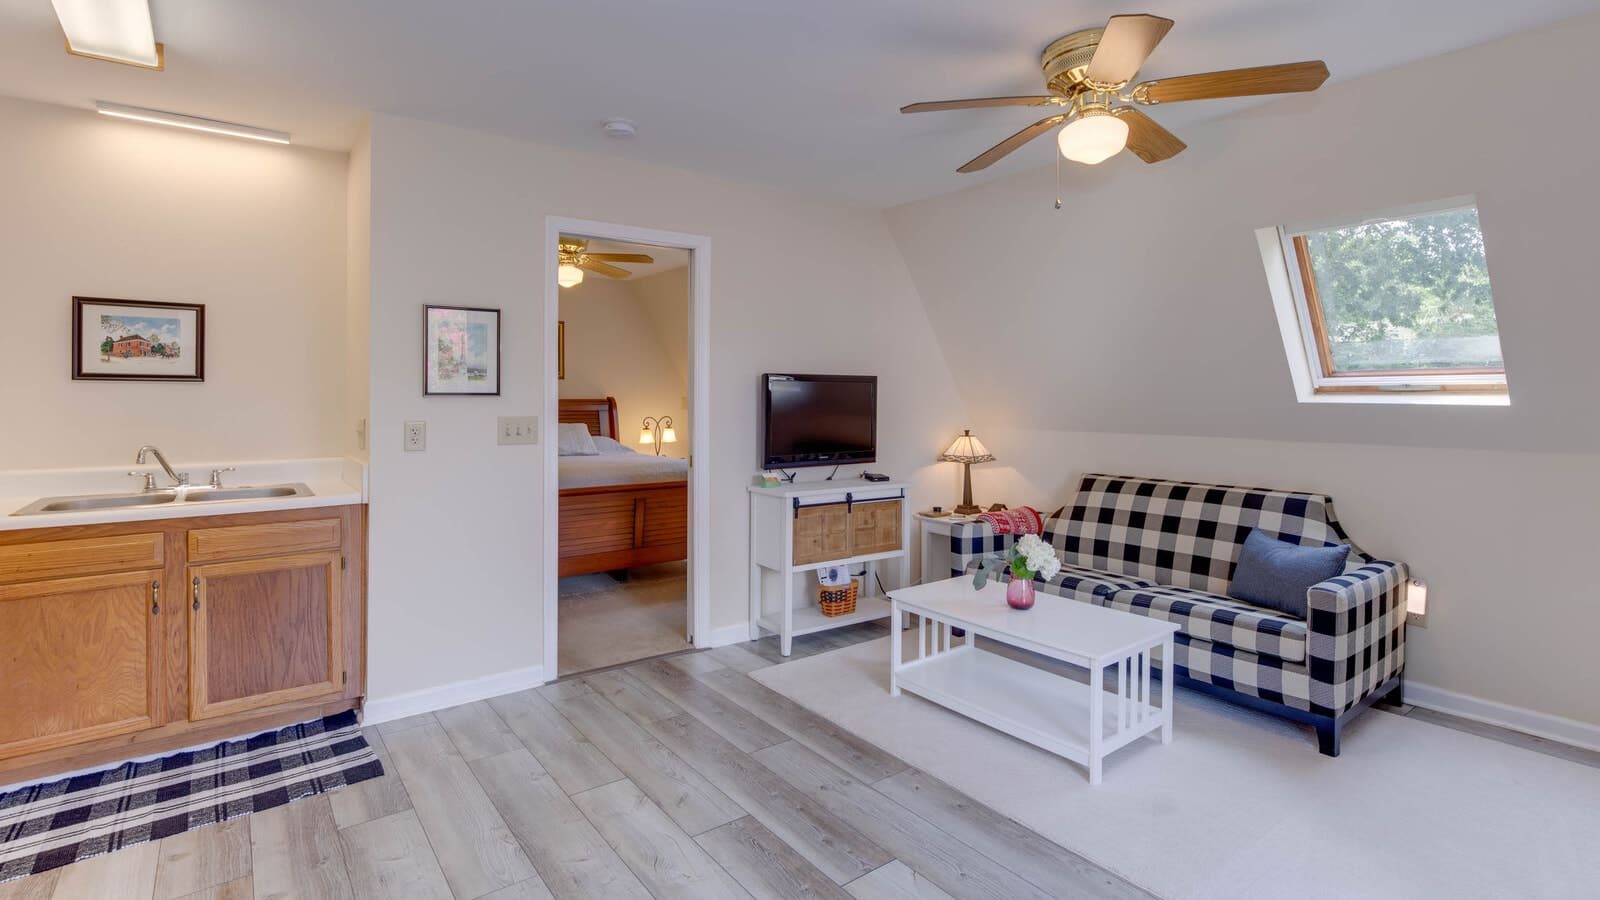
(1241, 805)
(604, 622)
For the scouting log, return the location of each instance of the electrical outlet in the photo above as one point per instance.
(416, 436)
(517, 430)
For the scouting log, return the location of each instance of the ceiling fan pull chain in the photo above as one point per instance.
(1058, 180)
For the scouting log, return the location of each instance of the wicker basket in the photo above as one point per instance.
(837, 601)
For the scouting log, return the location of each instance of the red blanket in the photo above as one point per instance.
(1022, 520)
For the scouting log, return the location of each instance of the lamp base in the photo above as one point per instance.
(968, 509)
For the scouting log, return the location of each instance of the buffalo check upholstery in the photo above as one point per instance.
(1167, 549)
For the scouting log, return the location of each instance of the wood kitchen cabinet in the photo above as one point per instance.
(129, 639)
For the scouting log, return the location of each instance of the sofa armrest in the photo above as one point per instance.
(972, 541)
(1357, 633)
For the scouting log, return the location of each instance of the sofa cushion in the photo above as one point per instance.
(1089, 585)
(1218, 619)
(1182, 533)
(1277, 574)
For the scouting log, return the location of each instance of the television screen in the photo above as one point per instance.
(820, 420)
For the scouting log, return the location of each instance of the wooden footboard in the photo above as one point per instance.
(624, 525)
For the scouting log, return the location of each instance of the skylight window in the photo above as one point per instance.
(1390, 308)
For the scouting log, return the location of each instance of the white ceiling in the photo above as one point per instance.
(798, 95)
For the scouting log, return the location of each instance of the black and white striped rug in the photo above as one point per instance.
(46, 826)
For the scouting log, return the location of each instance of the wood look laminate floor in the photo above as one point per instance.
(677, 777)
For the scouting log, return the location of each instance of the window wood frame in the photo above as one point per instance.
(1374, 381)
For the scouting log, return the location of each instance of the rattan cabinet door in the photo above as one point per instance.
(875, 527)
(821, 533)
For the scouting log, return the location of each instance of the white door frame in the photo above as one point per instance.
(699, 247)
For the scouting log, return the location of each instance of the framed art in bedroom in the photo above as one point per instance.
(137, 340)
(461, 351)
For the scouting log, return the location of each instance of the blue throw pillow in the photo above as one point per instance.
(1276, 573)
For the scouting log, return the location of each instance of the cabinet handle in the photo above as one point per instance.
(197, 593)
(155, 597)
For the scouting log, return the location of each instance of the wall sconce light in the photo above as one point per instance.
(658, 431)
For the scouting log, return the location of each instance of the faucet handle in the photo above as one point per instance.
(216, 475)
(149, 480)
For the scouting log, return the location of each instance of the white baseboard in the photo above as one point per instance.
(727, 634)
(1492, 712)
(387, 709)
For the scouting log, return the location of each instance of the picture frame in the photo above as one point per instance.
(137, 340)
(460, 351)
(561, 350)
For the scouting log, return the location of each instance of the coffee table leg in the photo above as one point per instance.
(895, 640)
(1097, 699)
(1166, 691)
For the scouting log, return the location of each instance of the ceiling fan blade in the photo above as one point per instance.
(980, 103)
(1128, 41)
(1148, 140)
(999, 151)
(622, 257)
(600, 268)
(1288, 78)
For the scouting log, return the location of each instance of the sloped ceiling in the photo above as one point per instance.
(802, 96)
(1142, 305)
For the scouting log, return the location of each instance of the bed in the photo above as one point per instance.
(621, 508)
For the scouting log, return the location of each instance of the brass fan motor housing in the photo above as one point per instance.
(1066, 61)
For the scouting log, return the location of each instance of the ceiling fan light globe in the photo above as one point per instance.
(568, 275)
(1093, 139)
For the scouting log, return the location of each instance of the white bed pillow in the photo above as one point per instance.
(573, 439)
(607, 446)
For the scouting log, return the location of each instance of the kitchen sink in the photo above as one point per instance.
(97, 501)
(86, 502)
(247, 493)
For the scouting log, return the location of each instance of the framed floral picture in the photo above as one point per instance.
(461, 351)
(136, 340)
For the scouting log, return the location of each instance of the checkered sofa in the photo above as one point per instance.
(1167, 549)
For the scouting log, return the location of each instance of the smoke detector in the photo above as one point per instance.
(619, 128)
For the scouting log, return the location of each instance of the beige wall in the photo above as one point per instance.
(256, 232)
(459, 217)
(358, 297)
(1141, 311)
(616, 348)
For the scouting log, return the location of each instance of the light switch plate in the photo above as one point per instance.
(517, 430)
(416, 436)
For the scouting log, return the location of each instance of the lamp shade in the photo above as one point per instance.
(568, 275)
(647, 436)
(1093, 139)
(669, 435)
(967, 449)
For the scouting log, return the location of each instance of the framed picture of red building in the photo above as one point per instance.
(460, 351)
(137, 340)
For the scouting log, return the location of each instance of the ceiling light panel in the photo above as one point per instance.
(114, 30)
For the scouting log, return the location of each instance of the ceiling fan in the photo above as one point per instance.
(576, 259)
(1087, 73)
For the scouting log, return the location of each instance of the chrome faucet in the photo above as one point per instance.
(179, 479)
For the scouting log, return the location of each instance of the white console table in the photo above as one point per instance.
(799, 528)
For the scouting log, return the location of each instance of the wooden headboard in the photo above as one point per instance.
(600, 415)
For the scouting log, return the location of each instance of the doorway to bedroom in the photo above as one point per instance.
(623, 447)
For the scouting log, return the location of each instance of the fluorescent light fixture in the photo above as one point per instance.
(112, 30)
(193, 123)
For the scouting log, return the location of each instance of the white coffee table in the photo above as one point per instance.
(1050, 711)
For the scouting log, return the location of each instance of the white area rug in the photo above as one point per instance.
(1241, 805)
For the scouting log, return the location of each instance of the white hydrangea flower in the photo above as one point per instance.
(1038, 556)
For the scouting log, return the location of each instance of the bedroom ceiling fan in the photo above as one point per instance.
(1087, 76)
(576, 259)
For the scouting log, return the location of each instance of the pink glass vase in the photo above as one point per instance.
(1019, 593)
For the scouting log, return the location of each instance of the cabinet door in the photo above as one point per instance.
(821, 533)
(875, 527)
(264, 631)
(79, 660)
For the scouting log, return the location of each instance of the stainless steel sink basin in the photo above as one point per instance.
(99, 501)
(247, 493)
(88, 502)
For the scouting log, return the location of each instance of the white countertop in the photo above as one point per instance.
(334, 481)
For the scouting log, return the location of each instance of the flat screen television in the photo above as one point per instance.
(819, 420)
